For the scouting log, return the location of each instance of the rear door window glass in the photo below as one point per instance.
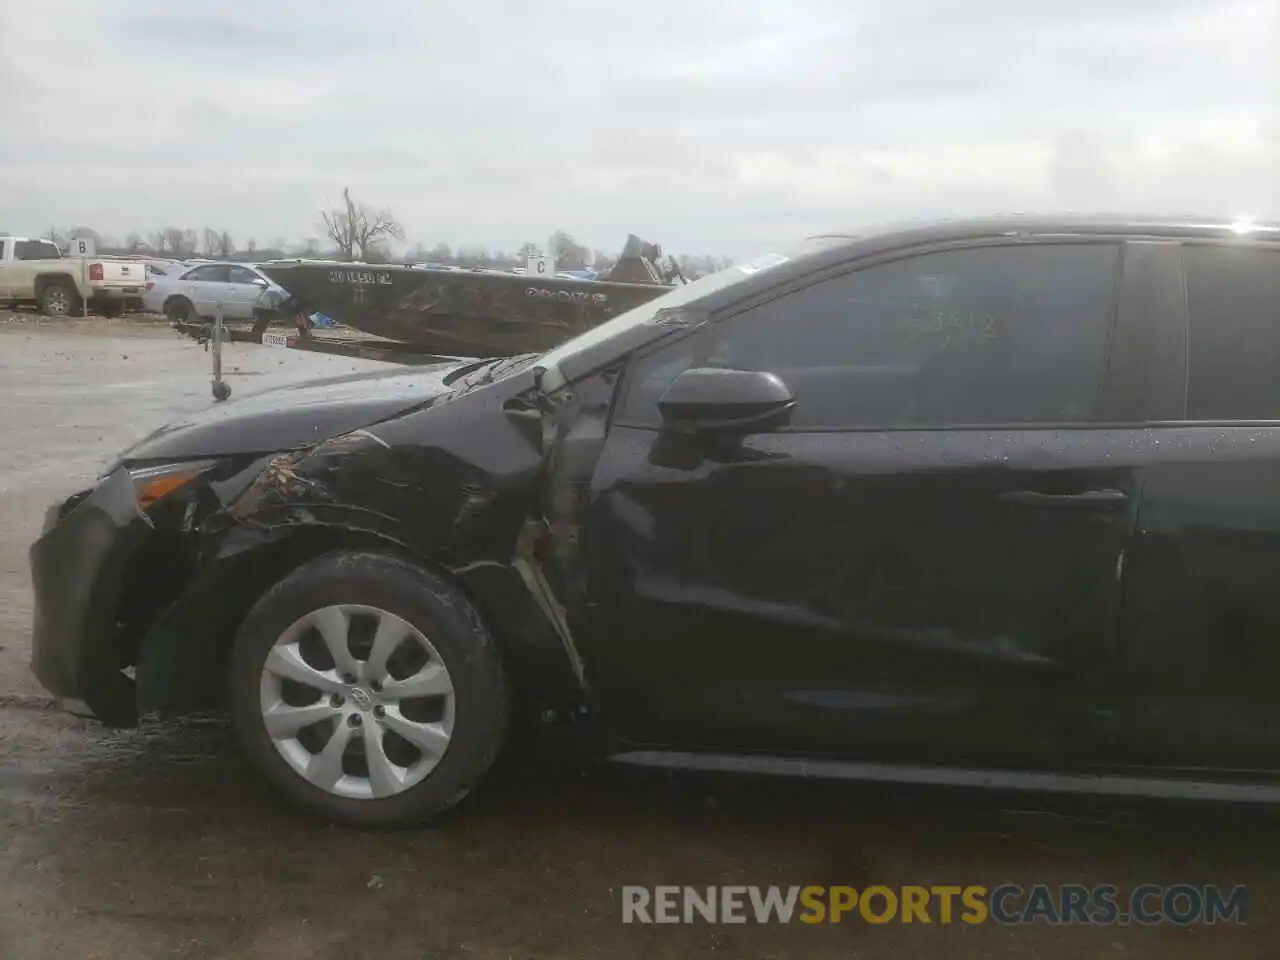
(35, 250)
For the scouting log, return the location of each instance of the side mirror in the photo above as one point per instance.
(259, 282)
(715, 399)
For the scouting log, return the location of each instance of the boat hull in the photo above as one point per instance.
(457, 312)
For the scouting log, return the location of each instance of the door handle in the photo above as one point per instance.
(1098, 499)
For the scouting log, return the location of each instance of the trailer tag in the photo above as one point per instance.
(275, 340)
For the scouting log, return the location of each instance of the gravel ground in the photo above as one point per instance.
(159, 842)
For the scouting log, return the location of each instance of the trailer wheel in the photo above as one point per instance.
(221, 391)
(59, 299)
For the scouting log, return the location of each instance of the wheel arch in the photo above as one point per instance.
(184, 655)
(43, 281)
(174, 298)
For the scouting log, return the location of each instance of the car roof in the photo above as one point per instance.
(842, 247)
(877, 239)
(913, 232)
(886, 237)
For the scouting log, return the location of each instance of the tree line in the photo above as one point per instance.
(355, 230)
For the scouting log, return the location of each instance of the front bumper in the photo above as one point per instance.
(77, 571)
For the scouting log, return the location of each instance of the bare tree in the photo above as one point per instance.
(356, 226)
(210, 239)
(133, 242)
(376, 253)
(226, 246)
(178, 241)
(340, 226)
(568, 253)
(251, 245)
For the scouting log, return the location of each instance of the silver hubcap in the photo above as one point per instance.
(357, 701)
(58, 301)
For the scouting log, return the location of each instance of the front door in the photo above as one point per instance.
(205, 286)
(922, 565)
(242, 291)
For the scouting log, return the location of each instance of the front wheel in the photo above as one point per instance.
(367, 690)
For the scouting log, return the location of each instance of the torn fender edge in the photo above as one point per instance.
(530, 569)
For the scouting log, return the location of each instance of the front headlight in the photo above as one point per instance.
(153, 484)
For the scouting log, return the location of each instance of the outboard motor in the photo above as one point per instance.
(637, 263)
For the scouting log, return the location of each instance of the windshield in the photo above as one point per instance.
(686, 293)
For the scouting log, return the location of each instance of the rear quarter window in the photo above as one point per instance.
(1233, 305)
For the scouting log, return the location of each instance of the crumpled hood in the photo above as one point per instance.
(289, 417)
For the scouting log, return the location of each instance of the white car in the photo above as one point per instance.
(241, 288)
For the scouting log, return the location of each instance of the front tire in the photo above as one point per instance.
(367, 690)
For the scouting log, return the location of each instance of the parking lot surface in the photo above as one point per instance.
(160, 843)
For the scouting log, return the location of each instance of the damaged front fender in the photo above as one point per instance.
(183, 655)
(363, 490)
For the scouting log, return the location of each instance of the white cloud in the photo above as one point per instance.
(705, 125)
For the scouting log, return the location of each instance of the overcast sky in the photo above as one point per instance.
(706, 125)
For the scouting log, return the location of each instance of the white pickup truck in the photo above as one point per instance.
(34, 271)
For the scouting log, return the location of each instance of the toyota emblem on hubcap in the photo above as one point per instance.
(362, 699)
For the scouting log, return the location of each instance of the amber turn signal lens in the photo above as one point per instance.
(159, 488)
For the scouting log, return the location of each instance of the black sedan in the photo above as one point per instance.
(987, 502)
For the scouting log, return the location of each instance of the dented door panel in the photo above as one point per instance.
(891, 594)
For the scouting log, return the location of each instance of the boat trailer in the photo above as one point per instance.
(212, 335)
